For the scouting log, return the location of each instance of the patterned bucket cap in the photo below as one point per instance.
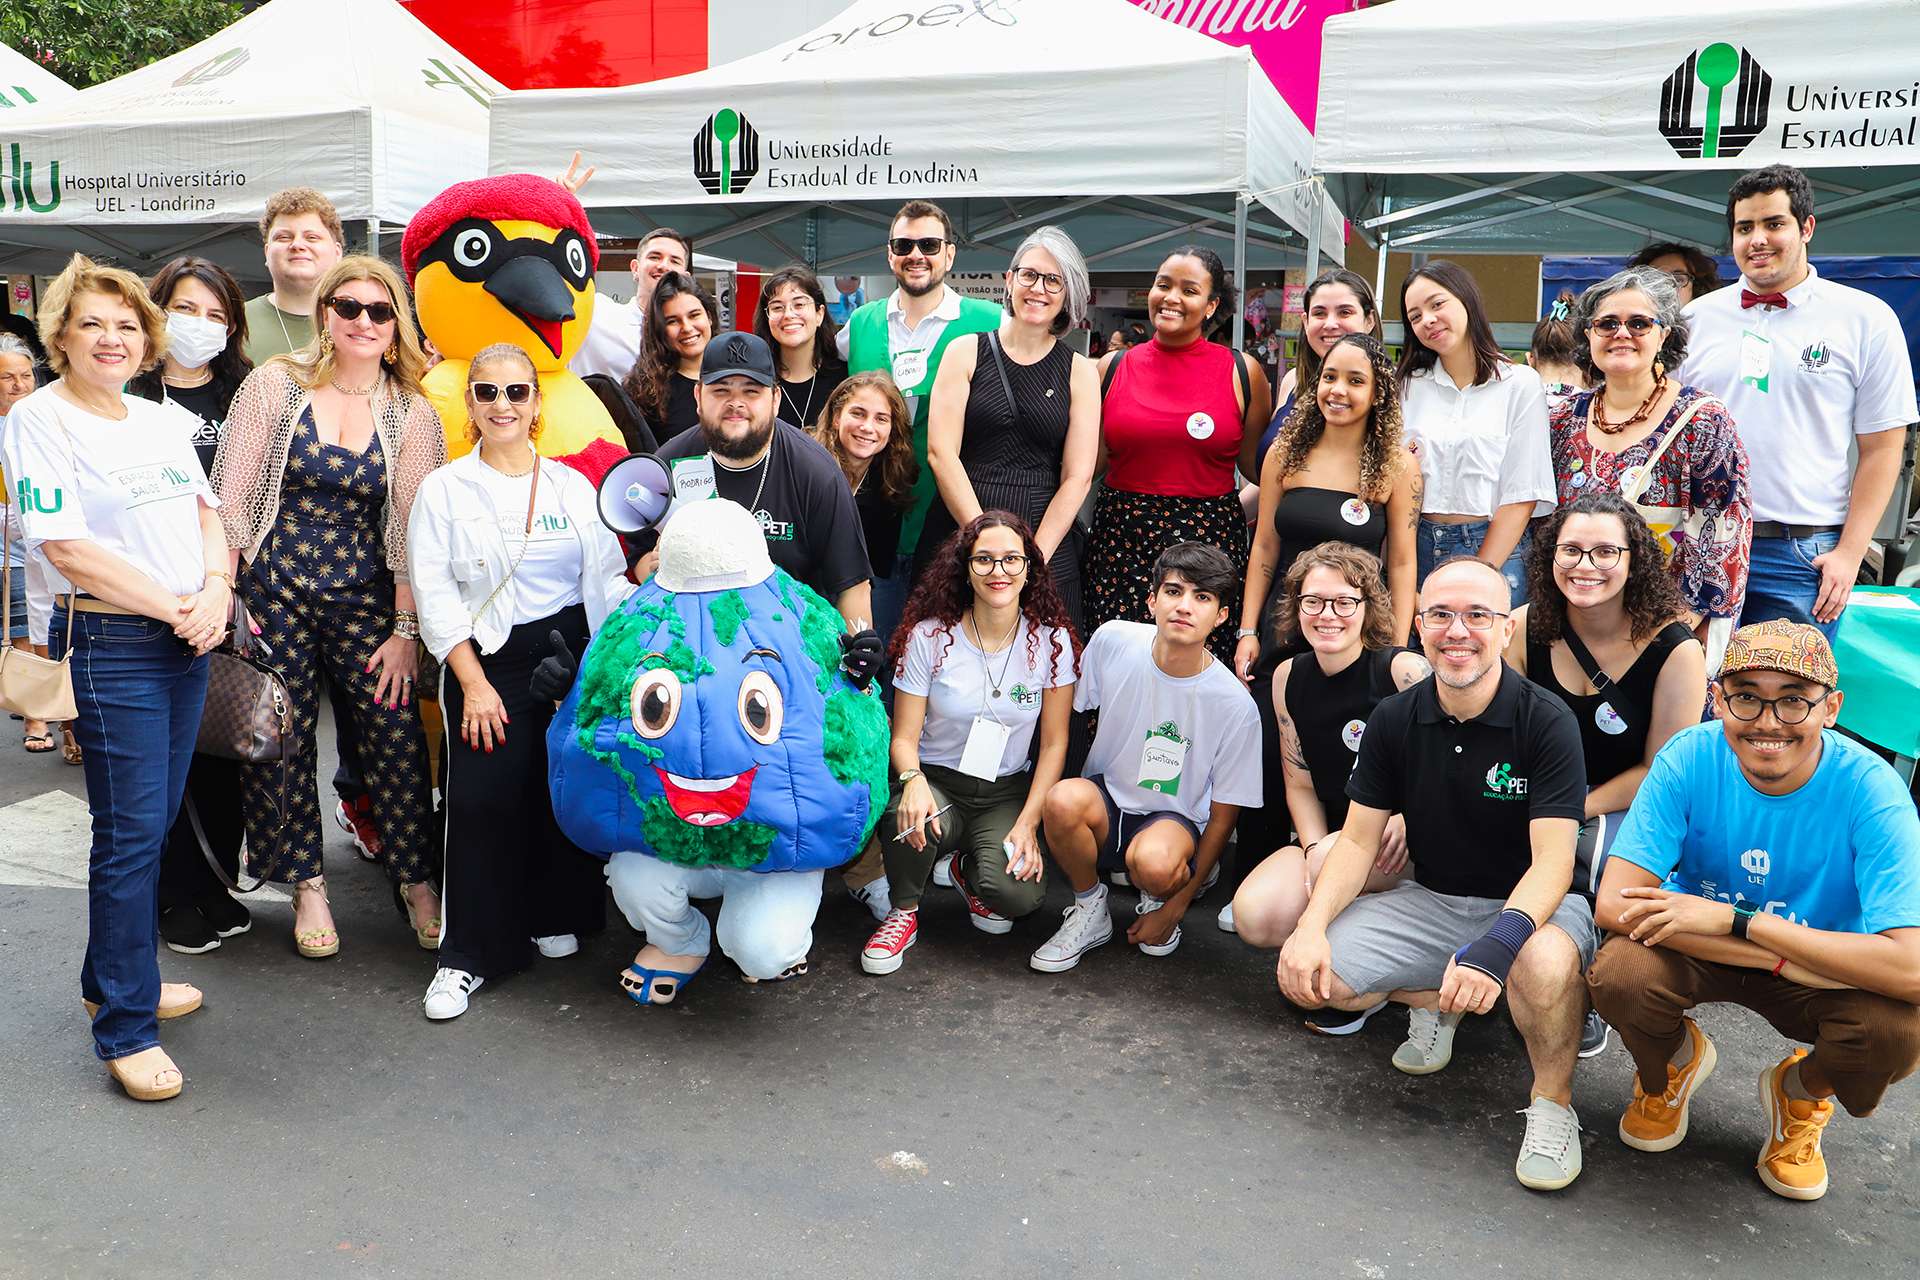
(1795, 648)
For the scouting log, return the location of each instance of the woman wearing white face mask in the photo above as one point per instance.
(205, 363)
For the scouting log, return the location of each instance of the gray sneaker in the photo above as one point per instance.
(1086, 926)
(1550, 1153)
(1429, 1044)
(1593, 1036)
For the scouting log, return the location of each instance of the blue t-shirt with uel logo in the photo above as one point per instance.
(1842, 853)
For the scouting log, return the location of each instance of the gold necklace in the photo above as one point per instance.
(356, 391)
(518, 475)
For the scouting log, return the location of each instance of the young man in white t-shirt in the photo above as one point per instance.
(1176, 756)
(613, 340)
(1807, 367)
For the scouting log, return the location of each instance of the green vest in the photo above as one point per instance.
(868, 348)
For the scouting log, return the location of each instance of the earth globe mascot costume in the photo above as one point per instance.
(721, 739)
(511, 259)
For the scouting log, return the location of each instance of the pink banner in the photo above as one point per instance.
(1283, 34)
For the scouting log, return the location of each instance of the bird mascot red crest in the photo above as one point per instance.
(511, 259)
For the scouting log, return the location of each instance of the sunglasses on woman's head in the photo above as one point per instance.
(489, 392)
(350, 309)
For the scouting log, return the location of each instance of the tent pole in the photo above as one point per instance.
(1240, 268)
(1380, 271)
(373, 237)
(1314, 189)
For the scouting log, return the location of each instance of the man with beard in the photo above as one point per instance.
(1488, 770)
(785, 477)
(905, 335)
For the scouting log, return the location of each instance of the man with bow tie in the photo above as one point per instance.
(1806, 366)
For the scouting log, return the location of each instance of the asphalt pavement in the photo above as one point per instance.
(963, 1117)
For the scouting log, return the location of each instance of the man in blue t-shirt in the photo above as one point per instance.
(1769, 863)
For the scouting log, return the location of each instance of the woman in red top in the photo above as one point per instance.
(1178, 419)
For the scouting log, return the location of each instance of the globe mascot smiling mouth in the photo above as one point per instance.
(707, 802)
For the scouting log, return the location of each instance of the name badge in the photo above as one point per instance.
(1162, 757)
(693, 479)
(1354, 511)
(1608, 719)
(909, 367)
(1352, 732)
(986, 747)
(1200, 426)
(1756, 358)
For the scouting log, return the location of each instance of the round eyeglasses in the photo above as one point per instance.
(1568, 556)
(1045, 281)
(984, 564)
(1342, 606)
(1791, 709)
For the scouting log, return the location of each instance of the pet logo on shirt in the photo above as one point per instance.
(1200, 426)
(1354, 511)
(1352, 732)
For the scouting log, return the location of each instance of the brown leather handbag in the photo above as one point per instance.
(35, 687)
(248, 715)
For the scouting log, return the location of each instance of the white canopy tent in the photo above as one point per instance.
(1131, 132)
(354, 97)
(1499, 126)
(24, 82)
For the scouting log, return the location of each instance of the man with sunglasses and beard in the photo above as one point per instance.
(905, 335)
(1773, 863)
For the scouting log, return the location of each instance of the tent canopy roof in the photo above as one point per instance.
(23, 82)
(1091, 113)
(1503, 128)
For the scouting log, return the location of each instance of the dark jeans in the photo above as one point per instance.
(139, 692)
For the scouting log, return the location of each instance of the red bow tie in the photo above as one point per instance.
(1749, 299)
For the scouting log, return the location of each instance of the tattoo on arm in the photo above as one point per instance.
(1290, 743)
(1416, 671)
(1419, 500)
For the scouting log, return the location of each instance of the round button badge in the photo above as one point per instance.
(1354, 511)
(1351, 732)
(1200, 426)
(1608, 719)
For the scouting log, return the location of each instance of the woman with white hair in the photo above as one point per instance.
(1014, 422)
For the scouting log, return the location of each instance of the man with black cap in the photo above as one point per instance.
(787, 479)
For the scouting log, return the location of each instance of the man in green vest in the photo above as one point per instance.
(905, 335)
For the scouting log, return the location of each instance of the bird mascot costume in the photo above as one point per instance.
(722, 739)
(511, 259)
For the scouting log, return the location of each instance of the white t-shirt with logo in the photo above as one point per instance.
(548, 579)
(1212, 712)
(961, 686)
(1837, 367)
(133, 487)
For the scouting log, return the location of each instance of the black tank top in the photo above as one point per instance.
(1306, 517)
(1614, 741)
(1330, 712)
(998, 446)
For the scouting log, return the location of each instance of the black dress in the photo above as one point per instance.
(1613, 726)
(1013, 458)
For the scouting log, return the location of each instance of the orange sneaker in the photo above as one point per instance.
(1790, 1161)
(1660, 1123)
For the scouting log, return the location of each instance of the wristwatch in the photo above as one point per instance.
(1243, 633)
(1743, 913)
(907, 775)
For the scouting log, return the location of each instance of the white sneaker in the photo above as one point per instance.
(447, 994)
(1086, 926)
(876, 897)
(1167, 948)
(943, 874)
(1148, 904)
(557, 945)
(1213, 878)
(1225, 918)
(1550, 1153)
(1429, 1044)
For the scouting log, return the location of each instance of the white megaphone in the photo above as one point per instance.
(636, 494)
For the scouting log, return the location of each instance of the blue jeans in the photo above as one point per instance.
(1435, 542)
(889, 606)
(139, 692)
(766, 917)
(1782, 582)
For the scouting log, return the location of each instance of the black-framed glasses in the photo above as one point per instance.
(1792, 709)
(1343, 606)
(1638, 326)
(1045, 281)
(901, 246)
(1568, 556)
(984, 564)
(1683, 279)
(490, 392)
(1475, 619)
(350, 309)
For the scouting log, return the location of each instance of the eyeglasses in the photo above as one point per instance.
(350, 309)
(1791, 709)
(1568, 556)
(1046, 282)
(900, 246)
(1441, 619)
(489, 392)
(984, 564)
(1683, 279)
(1635, 325)
(1343, 606)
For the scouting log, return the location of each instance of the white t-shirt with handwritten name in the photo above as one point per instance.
(132, 487)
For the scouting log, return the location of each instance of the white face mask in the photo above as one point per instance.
(194, 340)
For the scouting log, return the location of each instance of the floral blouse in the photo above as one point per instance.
(1704, 472)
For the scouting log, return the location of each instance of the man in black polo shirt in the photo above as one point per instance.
(1489, 772)
(781, 474)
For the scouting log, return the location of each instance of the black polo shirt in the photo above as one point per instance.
(1469, 789)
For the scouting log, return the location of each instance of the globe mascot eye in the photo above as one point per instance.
(761, 707)
(656, 702)
(472, 248)
(577, 260)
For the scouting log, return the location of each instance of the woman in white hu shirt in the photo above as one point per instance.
(1477, 421)
(110, 492)
(984, 657)
(510, 565)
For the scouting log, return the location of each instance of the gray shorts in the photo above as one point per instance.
(1401, 939)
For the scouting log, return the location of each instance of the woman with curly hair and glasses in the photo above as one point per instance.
(681, 319)
(1606, 632)
(984, 656)
(1693, 273)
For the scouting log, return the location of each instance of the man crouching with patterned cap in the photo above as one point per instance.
(1773, 863)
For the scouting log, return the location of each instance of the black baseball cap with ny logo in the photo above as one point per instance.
(743, 354)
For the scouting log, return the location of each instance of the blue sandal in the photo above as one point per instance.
(798, 969)
(639, 983)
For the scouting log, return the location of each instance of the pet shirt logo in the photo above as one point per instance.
(726, 153)
(1728, 125)
(1023, 696)
(1502, 785)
